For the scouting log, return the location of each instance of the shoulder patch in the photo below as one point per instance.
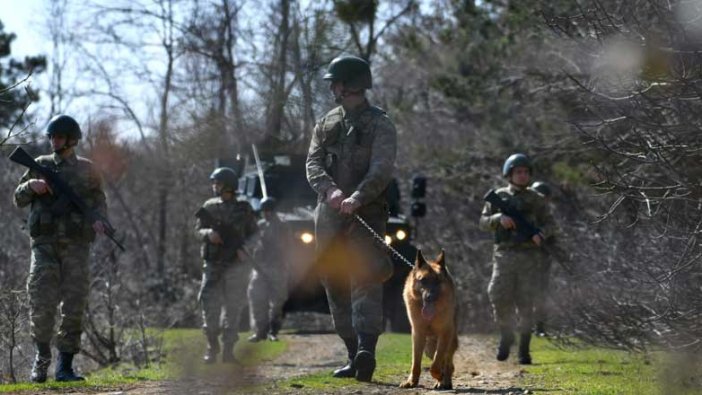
(84, 160)
(212, 201)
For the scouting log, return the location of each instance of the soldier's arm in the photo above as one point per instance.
(23, 193)
(547, 225)
(252, 234)
(98, 192)
(317, 175)
(489, 220)
(202, 230)
(382, 162)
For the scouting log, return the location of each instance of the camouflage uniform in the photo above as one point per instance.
(516, 265)
(355, 152)
(60, 242)
(268, 288)
(224, 276)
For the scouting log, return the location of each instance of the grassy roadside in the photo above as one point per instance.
(183, 352)
(589, 371)
(393, 353)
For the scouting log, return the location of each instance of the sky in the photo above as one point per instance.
(24, 18)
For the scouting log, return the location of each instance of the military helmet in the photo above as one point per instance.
(64, 124)
(353, 71)
(515, 160)
(226, 176)
(268, 204)
(542, 188)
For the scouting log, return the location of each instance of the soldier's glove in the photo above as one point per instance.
(334, 197)
(349, 205)
(39, 186)
(214, 237)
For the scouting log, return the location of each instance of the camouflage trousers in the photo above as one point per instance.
(543, 278)
(513, 286)
(353, 270)
(268, 291)
(223, 295)
(59, 275)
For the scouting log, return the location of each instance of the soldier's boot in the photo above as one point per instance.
(524, 356)
(42, 360)
(64, 368)
(541, 329)
(506, 340)
(365, 357)
(256, 337)
(212, 349)
(348, 370)
(228, 353)
(273, 333)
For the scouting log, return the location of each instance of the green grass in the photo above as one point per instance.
(183, 355)
(597, 371)
(393, 353)
(583, 370)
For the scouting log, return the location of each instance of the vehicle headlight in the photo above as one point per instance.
(401, 234)
(307, 237)
(388, 239)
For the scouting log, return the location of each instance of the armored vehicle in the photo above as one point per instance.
(285, 180)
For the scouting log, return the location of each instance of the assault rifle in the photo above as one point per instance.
(230, 238)
(525, 230)
(66, 195)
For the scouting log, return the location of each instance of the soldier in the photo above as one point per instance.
(224, 225)
(268, 288)
(350, 164)
(515, 260)
(544, 269)
(60, 242)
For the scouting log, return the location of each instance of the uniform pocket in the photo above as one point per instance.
(43, 224)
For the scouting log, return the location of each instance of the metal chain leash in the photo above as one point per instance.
(377, 238)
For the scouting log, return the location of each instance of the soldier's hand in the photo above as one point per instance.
(99, 227)
(335, 197)
(537, 239)
(39, 186)
(507, 222)
(215, 238)
(349, 205)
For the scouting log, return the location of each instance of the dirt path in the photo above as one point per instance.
(477, 372)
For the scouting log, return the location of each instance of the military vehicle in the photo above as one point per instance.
(285, 180)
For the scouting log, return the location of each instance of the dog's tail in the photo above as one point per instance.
(430, 347)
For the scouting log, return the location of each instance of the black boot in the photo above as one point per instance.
(506, 340)
(64, 368)
(365, 357)
(228, 353)
(524, 357)
(256, 337)
(212, 349)
(42, 360)
(348, 370)
(275, 328)
(541, 329)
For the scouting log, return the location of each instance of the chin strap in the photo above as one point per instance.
(69, 144)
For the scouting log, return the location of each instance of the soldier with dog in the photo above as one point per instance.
(350, 164)
(520, 221)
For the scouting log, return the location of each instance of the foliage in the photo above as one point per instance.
(12, 73)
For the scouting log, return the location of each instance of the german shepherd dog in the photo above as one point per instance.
(430, 297)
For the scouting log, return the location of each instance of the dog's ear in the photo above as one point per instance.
(419, 261)
(440, 260)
